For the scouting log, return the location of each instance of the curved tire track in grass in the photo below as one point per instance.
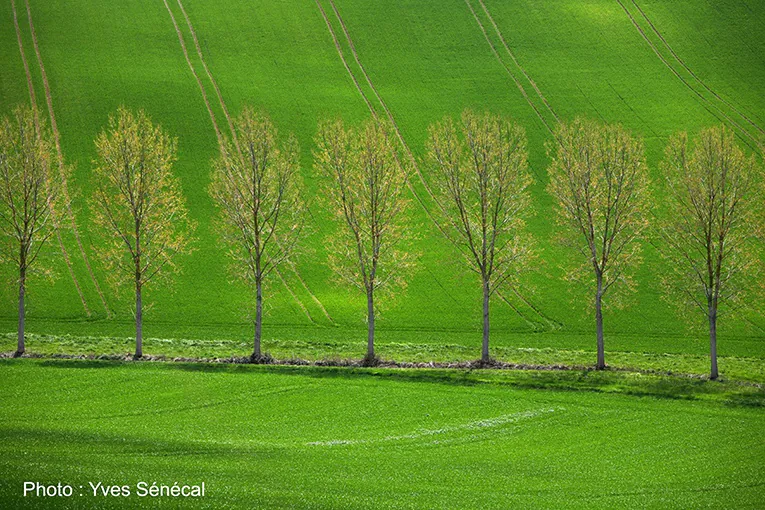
(385, 107)
(535, 326)
(507, 69)
(387, 111)
(62, 168)
(194, 72)
(690, 71)
(218, 132)
(342, 58)
(418, 435)
(706, 103)
(400, 136)
(32, 97)
(515, 60)
(233, 135)
(388, 114)
(374, 112)
(315, 299)
(207, 70)
(33, 101)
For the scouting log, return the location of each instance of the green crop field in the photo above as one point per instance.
(287, 436)
(280, 437)
(424, 60)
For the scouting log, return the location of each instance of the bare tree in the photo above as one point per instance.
(365, 188)
(256, 185)
(481, 178)
(599, 177)
(137, 206)
(29, 192)
(710, 230)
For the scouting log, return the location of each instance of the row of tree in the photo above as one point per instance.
(479, 179)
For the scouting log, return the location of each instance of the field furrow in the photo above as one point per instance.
(33, 101)
(506, 68)
(515, 60)
(62, 165)
(693, 74)
(718, 112)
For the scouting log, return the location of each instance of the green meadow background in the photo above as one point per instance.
(655, 67)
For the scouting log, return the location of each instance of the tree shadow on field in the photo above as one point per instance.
(635, 384)
(605, 382)
(80, 364)
(78, 456)
(90, 442)
(453, 377)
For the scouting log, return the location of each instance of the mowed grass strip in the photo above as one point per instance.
(745, 370)
(321, 438)
(426, 59)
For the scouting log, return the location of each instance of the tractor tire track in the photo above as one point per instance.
(390, 117)
(507, 69)
(294, 296)
(313, 296)
(383, 104)
(194, 72)
(218, 132)
(690, 71)
(342, 58)
(35, 111)
(32, 97)
(374, 113)
(554, 324)
(536, 326)
(515, 60)
(209, 74)
(236, 143)
(61, 166)
(706, 103)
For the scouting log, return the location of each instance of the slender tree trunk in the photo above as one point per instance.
(138, 322)
(22, 291)
(599, 324)
(138, 303)
(258, 319)
(713, 374)
(485, 346)
(371, 325)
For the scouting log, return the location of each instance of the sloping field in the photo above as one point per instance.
(270, 437)
(656, 67)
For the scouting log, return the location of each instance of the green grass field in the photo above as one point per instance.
(649, 432)
(425, 60)
(281, 437)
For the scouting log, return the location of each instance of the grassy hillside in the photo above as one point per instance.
(656, 67)
(327, 438)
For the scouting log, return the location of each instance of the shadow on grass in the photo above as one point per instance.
(80, 364)
(606, 382)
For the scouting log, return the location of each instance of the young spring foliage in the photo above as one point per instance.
(29, 195)
(710, 232)
(138, 210)
(599, 179)
(481, 179)
(256, 185)
(364, 185)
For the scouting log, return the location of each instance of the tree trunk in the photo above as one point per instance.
(485, 346)
(258, 319)
(22, 291)
(371, 325)
(713, 374)
(599, 324)
(138, 322)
